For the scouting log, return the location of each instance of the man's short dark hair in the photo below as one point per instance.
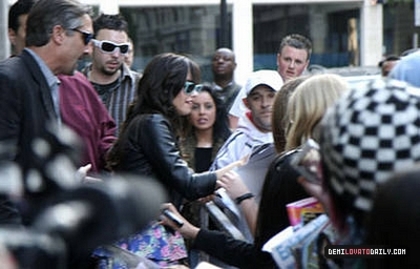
(21, 7)
(112, 22)
(389, 58)
(45, 14)
(296, 41)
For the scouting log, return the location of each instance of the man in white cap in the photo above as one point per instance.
(255, 128)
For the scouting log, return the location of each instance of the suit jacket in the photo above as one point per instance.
(26, 107)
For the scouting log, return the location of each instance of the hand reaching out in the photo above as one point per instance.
(233, 184)
(187, 230)
(220, 172)
(82, 172)
(206, 199)
(236, 188)
(317, 191)
(242, 161)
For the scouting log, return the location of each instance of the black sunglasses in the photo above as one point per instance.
(87, 37)
(109, 47)
(189, 87)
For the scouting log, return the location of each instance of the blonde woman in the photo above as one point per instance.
(307, 105)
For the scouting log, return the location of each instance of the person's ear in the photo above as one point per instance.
(245, 101)
(307, 64)
(12, 36)
(278, 59)
(58, 34)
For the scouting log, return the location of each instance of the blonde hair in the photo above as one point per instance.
(308, 104)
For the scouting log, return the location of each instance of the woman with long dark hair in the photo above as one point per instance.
(147, 146)
(208, 129)
(205, 134)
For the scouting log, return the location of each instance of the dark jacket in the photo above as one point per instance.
(149, 148)
(26, 107)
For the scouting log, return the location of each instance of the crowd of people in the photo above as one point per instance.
(196, 138)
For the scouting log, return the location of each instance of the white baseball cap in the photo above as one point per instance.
(270, 78)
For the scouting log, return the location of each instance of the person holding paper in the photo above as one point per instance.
(147, 146)
(318, 93)
(366, 138)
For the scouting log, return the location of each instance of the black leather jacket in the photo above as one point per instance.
(150, 148)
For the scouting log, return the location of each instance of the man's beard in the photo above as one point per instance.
(109, 72)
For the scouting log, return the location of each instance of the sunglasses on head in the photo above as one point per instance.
(110, 47)
(87, 37)
(189, 87)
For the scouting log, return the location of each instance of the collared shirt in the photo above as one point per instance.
(117, 99)
(52, 81)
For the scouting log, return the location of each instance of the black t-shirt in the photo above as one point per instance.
(202, 158)
(105, 91)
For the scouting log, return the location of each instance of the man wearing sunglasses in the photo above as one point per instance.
(115, 83)
(77, 96)
(29, 97)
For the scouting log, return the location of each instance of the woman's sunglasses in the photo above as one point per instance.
(110, 47)
(189, 87)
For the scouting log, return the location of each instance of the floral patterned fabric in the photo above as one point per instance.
(155, 243)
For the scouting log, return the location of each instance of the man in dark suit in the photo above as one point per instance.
(58, 33)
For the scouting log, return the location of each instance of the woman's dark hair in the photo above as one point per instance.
(221, 129)
(19, 8)
(112, 22)
(195, 71)
(162, 80)
(46, 14)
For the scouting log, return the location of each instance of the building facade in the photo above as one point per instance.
(343, 32)
(255, 29)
